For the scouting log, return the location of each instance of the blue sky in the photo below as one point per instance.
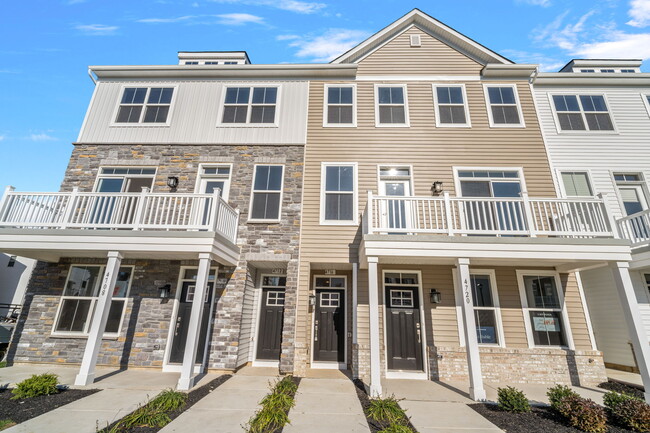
(46, 46)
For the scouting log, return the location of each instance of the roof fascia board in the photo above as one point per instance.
(496, 70)
(576, 78)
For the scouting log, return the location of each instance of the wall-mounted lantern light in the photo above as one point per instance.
(165, 291)
(172, 182)
(436, 188)
(435, 296)
(312, 300)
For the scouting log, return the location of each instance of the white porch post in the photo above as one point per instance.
(476, 390)
(634, 323)
(373, 304)
(86, 374)
(186, 381)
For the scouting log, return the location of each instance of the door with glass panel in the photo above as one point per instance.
(491, 215)
(269, 332)
(212, 178)
(329, 320)
(117, 209)
(395, 182)
(632, 194)
(404, 329)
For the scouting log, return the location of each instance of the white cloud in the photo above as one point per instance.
(545, 62)
(2, 137)
(166, 20)
(74, 2)
(300, 7)
(287, 37)
(239, 19)
(329, 45)
(542, 3)
(618, 45)
(97, 29)
(640, 13)
(560, 35)
(41, 137)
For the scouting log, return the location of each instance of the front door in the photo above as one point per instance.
(269, 334)
(395, 182)
(630, 189)
(403, 324)
(329, 320)
(181, 327)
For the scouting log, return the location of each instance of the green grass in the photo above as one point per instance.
(388, 413)
(275, 408)
(153, 414)
(3, 364)
(6, 423)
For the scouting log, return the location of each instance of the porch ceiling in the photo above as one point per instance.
(51, 245)
(562, 253)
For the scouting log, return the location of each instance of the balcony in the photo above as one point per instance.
(170, 224)
(635, 227)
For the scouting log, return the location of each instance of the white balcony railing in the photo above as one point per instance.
(520, 216)
(125, 211)
(635, 227)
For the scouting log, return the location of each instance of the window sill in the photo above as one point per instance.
(506, 126)
(588, 132)
(278, 221)
(463, 125)
(392, 125)
(140, 125)
(82, 336)
(247, 125)
(339, 223)
(339, 125)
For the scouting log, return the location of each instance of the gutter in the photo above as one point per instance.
(92, 77)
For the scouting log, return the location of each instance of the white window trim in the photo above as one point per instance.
(646, 103)
(407, 122)
(468, 120)
(250, 204)
(488, 105)
(141, 176)
(93, 299)
(326, 124)
(411, 176)
(141, 124)
(328, 364)
(642, 182)
(520, 170)
(496, 305)
(355, 194)
(200, 177)
(251, 85)
(526, 309)
(563, 193)
(582, 113)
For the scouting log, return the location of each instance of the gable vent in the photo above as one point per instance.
(415, 41)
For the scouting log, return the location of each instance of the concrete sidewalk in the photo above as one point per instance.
(327, 405)
(227, 408)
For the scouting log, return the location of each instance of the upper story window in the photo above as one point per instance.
(211, 63)
(250, 105)
(191, 63)
(145, 105)
(340, 107)
(628, 71)
(338, 195)
(212, 177)
(607, 70)
(587, 70)
(582, 112)
(391, 106)
(504, 108)
(124, 179)
(451, 106)
(576, 184)
(266, 198)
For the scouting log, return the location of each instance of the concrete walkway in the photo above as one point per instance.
(227, 408)
(436, 408)
(327, 402)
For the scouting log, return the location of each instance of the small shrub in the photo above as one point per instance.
(583, 414)
(275, 408)
(144, 416)
(397, 428)
(612, 399)
(38, 384)
(634, 414)
(558, 393)
(286, 386)
(168, 401)
(512, 400)
(279, 401)
(386, 410)
(267, 420)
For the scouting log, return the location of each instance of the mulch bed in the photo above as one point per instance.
(612, 385)
(375, 427)
(21, 410)
(540, 419)
(192, 398)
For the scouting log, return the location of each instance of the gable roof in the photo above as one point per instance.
(435, 28)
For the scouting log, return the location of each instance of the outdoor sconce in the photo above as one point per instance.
(436, 188)
(312, 300)
(165, 291)
(172, 182)
(435, 296)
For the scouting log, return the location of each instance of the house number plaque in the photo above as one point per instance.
(468, 297)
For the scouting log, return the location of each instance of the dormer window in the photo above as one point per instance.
(250, 105)
(628, 71)
(145, 105)
(587, 70)
(607, 71)
(191, 63)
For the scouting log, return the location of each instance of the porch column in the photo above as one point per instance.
(373, 304)
(635, 326)
(86, 374)
(476, 390)
(186, 381)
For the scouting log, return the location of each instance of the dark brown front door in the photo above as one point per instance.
(269, 335)
(329, 326)
(183, 320)
(404, 329)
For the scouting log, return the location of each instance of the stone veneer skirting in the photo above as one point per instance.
(512, 366)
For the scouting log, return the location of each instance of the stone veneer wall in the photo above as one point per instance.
(273, 243)
(512, 366)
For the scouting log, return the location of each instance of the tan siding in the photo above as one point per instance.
(576, 313)
(432, 58)
(511, 313)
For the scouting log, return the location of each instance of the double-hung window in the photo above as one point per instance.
(582, 113)
(486, 309)
(338, 197)
(503, 106)
(80, 296)
(543, 309)
(145, 105)
(266, 199)
(576, 184)
(391, 108)
(340, 105)
(451, 106)
(250, 105)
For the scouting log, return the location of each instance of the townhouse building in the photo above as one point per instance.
(393, 212)
(595, 119)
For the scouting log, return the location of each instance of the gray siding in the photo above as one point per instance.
(248, 319)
